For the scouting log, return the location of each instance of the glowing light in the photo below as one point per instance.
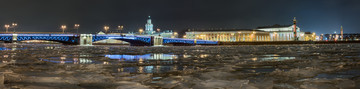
(141, 30)
(106, 28)
(63, 27)
(254, 59)
(77, 25)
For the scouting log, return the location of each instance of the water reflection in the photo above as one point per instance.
(341, 74)
(13, 48)
(90, 59)
(68, 60)
(274, 57)
(143, 57)
(3, 48)
(155, 69)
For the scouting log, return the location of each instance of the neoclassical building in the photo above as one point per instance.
(266, 33)
(236, 35)
(283, 32)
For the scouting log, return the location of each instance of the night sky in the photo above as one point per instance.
(320, 16)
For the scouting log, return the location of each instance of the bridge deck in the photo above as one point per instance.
(75, 38)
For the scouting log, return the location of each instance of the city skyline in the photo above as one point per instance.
(322, 16)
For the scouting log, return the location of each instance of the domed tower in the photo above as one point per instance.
(149, 27)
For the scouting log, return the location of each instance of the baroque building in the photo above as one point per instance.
(149, 27)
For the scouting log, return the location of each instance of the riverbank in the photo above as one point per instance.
(287, 42)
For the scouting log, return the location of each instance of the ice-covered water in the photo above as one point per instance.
(325, 66)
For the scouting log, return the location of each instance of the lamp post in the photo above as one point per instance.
(106, 28)
(120, 28)
(158, 31)
(13, 25)
(140, 30)
(76, 26)
(7, 27)
(63, 28)
(175, 34)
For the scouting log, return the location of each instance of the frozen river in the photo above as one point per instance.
(35, 66)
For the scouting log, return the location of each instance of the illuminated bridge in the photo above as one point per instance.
(88, 39)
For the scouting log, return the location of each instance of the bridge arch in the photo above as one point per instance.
(132, 40)
(6, 38)
(65, 39)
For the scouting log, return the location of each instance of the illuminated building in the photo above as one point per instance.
(309, 36)
(283, 32)
(345, 37)
(230, 35)
(149, 27)
(266, 33)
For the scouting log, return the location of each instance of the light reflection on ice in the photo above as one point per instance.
(143, 57)
(275, 57)
(88, 59)
(3, 48)
(64, 60)
(153, 69)
(185, 67)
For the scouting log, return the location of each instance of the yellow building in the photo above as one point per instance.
(229, 35)
(309, 36)
(267, 33)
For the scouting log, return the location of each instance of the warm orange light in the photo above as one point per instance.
(77, 25)
(7, 25)
(63, 26)
(141, 30)
(106, 28)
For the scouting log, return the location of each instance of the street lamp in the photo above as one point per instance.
(120, 28)
(106, 28)
(7, 27)
(175, 34)
(63, 27)
(76, 26)
(158, 31)
(13, 25)
(140, 30)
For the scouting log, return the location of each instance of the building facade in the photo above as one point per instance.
(267, 33)
(230, 35)
(283, 32)
(149, 27)
(337, 37)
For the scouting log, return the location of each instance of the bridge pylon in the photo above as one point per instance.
(14, 38)
(85, 39)
(158, 41)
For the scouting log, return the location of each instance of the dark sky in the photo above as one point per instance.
(321, 16)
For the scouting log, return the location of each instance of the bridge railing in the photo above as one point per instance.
(47, 35)
(6, 34)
